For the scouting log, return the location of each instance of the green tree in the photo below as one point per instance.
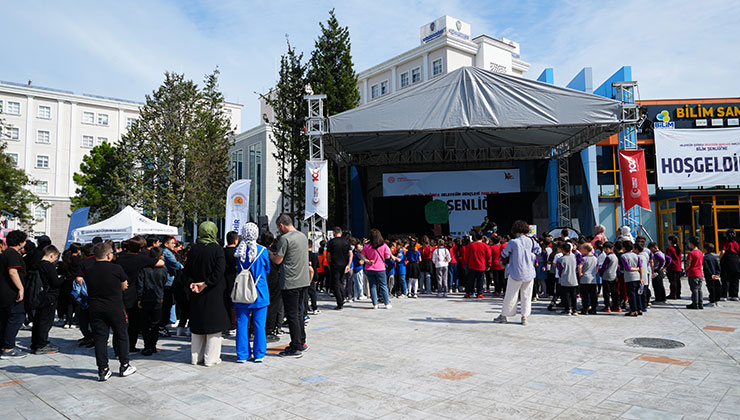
(290, 111)
(101, 182)
(331, 72)
(16, 198)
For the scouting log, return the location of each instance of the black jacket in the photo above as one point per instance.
(150, 285)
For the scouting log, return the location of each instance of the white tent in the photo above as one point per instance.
(125, 225)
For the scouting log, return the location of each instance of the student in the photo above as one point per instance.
(413, 256)
(660, 262)
(711, 268)
(621, 286)
(567, 266)
(452, 272)
(401, 288)
(632, 271)
(674, 268)
(173, 266)
(150, 292)
(694, 271)
(426, 265)
(358, 274)
(587, 271)
(608, 273)
(105, 285)
(12, 289)
(43, 317)
(499, 282)
(647, 273)
(729, 260)
(478, 257)
(441, 259)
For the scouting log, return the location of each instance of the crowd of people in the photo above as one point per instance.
(249, 289)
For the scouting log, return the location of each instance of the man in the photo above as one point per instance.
(12, 289)
(294, 278)
(172, 265)
(151, 242)
(338, 258)
(43, 316)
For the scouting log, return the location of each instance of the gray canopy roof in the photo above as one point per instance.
(473, 114)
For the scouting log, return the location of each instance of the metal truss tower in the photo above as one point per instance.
(625, 93)
(315, 129)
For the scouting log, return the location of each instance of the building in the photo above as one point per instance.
(445, 45)
(48, 132)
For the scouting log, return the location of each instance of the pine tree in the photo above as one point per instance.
(331, 72)
(99, 182)
(16, 198)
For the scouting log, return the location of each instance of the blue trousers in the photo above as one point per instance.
(452, 274)
(402, 281)
(258, 349)
(377, 280)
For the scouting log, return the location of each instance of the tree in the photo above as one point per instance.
(290, 111)
(16, 197)
(100, 184)
(331, 72)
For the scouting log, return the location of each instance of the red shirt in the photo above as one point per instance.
(426, 252)
(731, 247)
(478, 256)
(694, 263)
(675, 259)
(453, 254)
(495, 255)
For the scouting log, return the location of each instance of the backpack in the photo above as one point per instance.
(34, 289)
(245, 286)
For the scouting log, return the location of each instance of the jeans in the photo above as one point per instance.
(521, 290)
(402, 282)
(589, 297)
(476, 282)
(442, 280)
(259, 347)
(358, 280)
(43, 318)
(377, 280)
(426, 282)
(101, 323)
(11, 319)
(453, 278)
(695, 284)
(292, 299)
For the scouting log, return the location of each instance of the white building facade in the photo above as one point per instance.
(48, 131)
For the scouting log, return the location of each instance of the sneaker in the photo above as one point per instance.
(500, 320)
(573, 313)
(337, 308)
(480, 296)
(734, 299)
(617, 310)
(66, 326)
(163, 332)
(47, 349)
(241, 361)
(12, 354)
(723, 299)
(692, 306)
(467, 296)
(710, 305)
(317, 311)
(305, 347)
(104, 375)
(26, 327)
(295, 354)
(272, 338)
(524, 321)
(415, 296)
(388, 306)
(230, 333)
(218, 361)
(148, 352)
(258, 360)
(375, 306)
(126, 370)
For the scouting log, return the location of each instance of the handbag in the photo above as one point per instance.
(245, 286)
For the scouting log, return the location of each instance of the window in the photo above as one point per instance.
(437, 67)
(374, 91)
(404, 79)
(88, 141)
(101, 140)
(102, 119)
(130, 123)
(13, 159)
(14, 133)
(1, 106)
(88, 118)
(42, 187)
(14, 108)
(40, 213)
(416, 75)
(255, 174)
(384, 87)
(42, 161)
(44, 112)
(237, 164)
(43, 136)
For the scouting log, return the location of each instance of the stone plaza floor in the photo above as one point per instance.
(426, 358)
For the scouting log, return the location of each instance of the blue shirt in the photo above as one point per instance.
(522, 253)
(259, 269)
(171, 264)
(401, 265)
(356, 266)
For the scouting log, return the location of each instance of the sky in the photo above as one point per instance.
(677, 49)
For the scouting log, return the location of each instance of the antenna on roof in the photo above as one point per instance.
(29, 82)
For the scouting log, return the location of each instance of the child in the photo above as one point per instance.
(608, 273)
(587, 271)
(441, 259)
(647, 270)
(105, 285)
(660, 262)
(632, 271)
(567, 272)
(150, 290)
(413, 256)
(358, 274)
(43, 318)
(694, 262)
(401, 270)
(711, 270)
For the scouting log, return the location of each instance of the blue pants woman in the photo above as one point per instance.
(377, 280)
(257, 350)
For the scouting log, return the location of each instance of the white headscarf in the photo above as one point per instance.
(248, 245)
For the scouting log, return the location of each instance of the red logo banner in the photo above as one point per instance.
(634, 180)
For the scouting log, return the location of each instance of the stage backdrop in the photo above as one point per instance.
(463, 191)
(693, 158)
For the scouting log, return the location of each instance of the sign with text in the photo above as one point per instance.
(464, 192)
(317, 189)
(237, 206)
(697, 158)
(634, 179)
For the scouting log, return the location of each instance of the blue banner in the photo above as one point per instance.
(78, 219)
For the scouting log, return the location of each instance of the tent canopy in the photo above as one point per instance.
(124, 225)
(473, 114)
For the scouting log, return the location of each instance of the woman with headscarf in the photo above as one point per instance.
(204, 273)
(255, 258)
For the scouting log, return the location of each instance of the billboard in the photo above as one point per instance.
(464, 192)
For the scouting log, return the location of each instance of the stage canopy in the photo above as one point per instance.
(124, 225)
(472, 115)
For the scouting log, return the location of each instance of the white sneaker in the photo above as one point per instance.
(375, 306)
(128, 371)
(388, 306)
(734, 299)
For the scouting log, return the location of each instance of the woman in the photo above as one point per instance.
(255, 258)
(376, 252)
(522, 253)
(730, 265)
(204, 273)
(599, 235)
(674, 269)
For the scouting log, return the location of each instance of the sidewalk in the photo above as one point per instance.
(426, 358)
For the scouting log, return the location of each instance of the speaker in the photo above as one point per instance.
(683, 214)
(706, 215)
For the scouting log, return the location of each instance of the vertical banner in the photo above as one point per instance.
(237, 206)
(634, 179)
(317, 189)
(78, 219)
